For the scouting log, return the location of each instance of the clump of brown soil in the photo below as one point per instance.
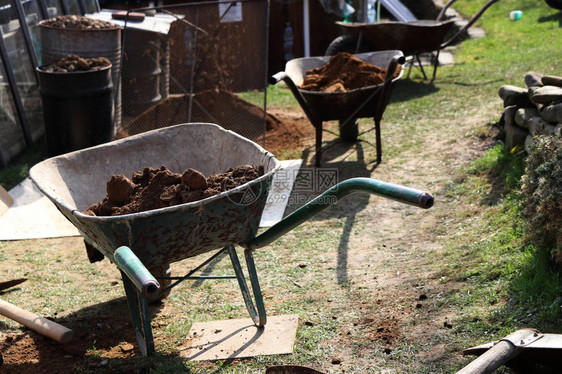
(226, 110)
(74, 22)
(159, 188)
(72, 63)
(342, 73)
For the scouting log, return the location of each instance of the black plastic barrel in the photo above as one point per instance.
(78, 109)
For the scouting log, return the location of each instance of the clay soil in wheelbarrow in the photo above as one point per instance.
(151, 188)
(229, 111)
(344, 72)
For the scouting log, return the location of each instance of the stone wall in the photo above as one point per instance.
(532, 110)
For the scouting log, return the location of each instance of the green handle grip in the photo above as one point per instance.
(389, 190)
(130, 264)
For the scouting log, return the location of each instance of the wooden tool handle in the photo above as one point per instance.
(41, 325)
(492, 359)
(501, 352)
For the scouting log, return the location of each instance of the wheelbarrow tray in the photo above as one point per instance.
(328, 106)
(76, 180)
(411, 38)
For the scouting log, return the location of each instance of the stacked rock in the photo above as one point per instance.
(535, 110)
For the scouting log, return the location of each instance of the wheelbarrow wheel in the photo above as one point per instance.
(347, 43)
(349, 130)
(556, 4)
(159, 272)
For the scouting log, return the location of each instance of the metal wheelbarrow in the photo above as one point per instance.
(346, 107)
(413, 38)
(139, 241)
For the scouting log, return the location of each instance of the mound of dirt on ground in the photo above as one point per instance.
(159, 188)
(342, 73)
(223, 108)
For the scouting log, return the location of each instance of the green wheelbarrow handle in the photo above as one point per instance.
(130, 264)
(389, 190)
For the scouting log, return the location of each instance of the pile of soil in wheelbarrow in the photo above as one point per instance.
(74, 22)
(342, 73)
(226, 110)
(159, 188)
(72, 63)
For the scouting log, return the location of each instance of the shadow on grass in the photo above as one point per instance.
(350, 163)
(552, 17)
(534, 301)
(18, 168)
(407, 89)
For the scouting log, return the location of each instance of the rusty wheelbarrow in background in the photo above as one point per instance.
(345, 107)
(413, 38)
(140, 241)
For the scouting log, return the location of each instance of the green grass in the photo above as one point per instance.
(19, 167)
(510, 280)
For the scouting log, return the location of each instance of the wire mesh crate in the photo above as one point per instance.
(196, 62)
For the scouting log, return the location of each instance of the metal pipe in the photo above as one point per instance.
(282, 76)
(130, 264)
(444, 9)
(15, 92)
(306, 27)
(83, 8)
(472, 20)
(64, 6)
(24, 27)
(43, 9)
(389, 190)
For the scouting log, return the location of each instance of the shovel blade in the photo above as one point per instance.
(544, 351)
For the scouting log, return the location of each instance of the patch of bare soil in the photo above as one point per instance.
(107, 327)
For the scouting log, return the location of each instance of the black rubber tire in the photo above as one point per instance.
(349, 131)
(163, 270)
(346, 43)
(556, 4)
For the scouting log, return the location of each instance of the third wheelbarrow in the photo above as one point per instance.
(413, 37)
(141, 241)
(345, 107)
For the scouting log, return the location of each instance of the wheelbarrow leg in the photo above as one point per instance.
(318, 150)
(421, 67)
(378, 139)
(257, 312)
(411, 64)
(383, 101)
(435, 65)
(138, 309)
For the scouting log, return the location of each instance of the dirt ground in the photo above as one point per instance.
(403, 286)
